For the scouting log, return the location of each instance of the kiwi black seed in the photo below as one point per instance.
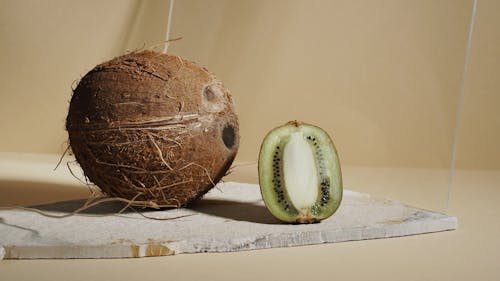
(299, 173)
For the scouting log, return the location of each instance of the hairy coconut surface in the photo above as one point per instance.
(152, 128)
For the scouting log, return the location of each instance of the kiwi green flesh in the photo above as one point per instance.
(299, 173)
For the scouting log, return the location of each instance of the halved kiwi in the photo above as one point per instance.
(299, 173)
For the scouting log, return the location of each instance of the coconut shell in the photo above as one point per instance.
(153, 128)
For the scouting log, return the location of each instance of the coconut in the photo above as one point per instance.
(152, 128)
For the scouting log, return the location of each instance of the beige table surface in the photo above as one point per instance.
(470, 253)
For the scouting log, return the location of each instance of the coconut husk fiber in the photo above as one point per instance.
(152, 128)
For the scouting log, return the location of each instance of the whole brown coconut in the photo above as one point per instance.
(153, 128)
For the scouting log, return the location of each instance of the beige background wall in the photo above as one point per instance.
(382, 76)
(44, 47)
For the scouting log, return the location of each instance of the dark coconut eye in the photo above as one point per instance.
(228, 136)
(209, 93)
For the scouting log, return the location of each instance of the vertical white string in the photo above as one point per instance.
(460, 105)
(169, 20)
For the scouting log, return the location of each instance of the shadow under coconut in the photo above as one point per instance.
(235, 210)
(28, 193)
(105, 208)
(66, 199)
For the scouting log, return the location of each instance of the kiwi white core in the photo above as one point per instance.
(299, 172)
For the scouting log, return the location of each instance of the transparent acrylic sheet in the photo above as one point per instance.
(386, 81)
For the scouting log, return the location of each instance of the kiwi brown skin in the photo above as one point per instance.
(153, 128)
